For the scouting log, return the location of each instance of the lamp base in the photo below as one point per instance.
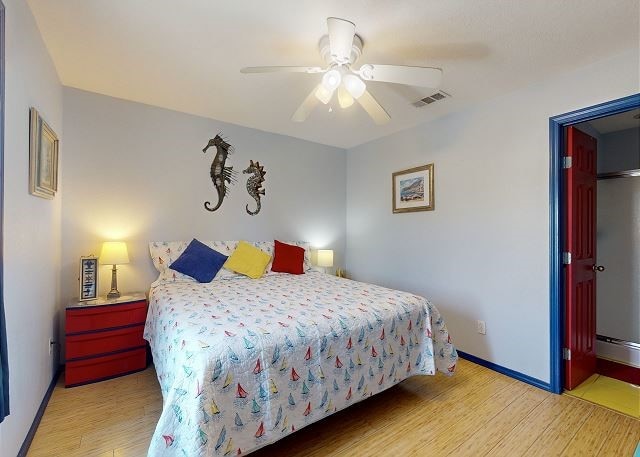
(113, 294)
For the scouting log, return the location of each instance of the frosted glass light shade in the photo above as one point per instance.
(114, 253)
(344, 97)
(331, 80)
(354, 85)
(325, 257)
(323, 94)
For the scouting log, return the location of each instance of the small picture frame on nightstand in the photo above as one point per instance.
(88, 278)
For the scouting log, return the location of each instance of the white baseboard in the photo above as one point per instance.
(627, 354)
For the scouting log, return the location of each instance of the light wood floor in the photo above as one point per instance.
(475, 413)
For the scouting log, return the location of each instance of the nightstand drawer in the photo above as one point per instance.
(100, 368)
(104, 342)
(104, 317)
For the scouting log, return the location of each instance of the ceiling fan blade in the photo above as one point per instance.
(282, 70)
(341, 34)
(373, 108)
(306, 107)
(401, 74)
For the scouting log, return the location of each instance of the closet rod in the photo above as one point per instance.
(620, 174)
(612, 340)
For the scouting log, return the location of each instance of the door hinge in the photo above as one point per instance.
(566, 353)
(566, 258)
(567, 161)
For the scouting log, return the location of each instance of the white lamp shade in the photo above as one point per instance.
(331, 80)
(323, 94)
(114, 253)
(344, 97)
(325, 257)
(354, 85)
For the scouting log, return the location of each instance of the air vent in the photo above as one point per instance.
(440, 95)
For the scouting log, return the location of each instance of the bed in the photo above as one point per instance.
(245, 362)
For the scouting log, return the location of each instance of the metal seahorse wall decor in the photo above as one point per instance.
(220, 174)
(254, 184)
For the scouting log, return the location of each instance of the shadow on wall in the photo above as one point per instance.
(55, 349)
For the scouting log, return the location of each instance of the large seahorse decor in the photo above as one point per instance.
(254, 184)
(220, 174)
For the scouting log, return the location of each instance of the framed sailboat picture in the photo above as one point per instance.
(88, 278)
(412, 189)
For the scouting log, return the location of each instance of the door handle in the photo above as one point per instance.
(598, 268)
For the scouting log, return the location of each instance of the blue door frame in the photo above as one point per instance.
(557, 125)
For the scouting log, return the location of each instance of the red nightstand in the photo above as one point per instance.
(104, 339)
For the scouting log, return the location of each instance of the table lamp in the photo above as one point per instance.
(325, 258)
(114, 253)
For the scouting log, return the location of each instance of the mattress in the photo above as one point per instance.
(243, 363)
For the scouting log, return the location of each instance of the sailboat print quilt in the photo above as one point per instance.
(243, 363)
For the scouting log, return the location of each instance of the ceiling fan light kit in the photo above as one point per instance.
(331, 80)
(345, 100)
(323, 94)
(341, 48)
(354, 85)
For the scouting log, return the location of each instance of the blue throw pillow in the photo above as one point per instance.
(199, 261)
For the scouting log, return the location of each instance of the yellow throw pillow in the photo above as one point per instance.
(248, 260)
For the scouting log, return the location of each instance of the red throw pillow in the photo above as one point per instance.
(287, 258)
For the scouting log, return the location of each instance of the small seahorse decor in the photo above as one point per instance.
(221, 175)
(254, 184)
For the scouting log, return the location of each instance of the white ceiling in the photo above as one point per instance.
(617, 122)
(185, 55)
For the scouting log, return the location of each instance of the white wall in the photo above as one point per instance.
(618, 287)
(137, 173)
(484, 252)
(618, 151)
(31, 226)
(618, 238)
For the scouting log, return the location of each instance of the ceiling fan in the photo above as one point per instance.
(340, 49)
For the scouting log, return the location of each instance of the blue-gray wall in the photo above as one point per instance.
(484, 252)
(137, 173)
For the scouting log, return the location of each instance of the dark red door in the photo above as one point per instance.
(580, 256)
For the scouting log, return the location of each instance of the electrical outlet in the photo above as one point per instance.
(482, 327)
(51, 343)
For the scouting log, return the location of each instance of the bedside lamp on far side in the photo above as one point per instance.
(114, 253)
(325, 258)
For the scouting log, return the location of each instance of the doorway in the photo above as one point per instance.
(603, 300)
(576, 354)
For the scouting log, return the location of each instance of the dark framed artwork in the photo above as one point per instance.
(88, 278)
